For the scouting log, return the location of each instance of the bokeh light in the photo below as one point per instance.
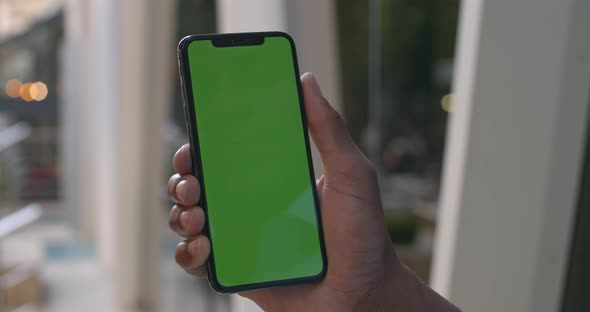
(12, 88)
(447, 103)
(25, 91)
(38, 91)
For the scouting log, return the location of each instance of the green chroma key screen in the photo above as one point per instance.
(257, 180)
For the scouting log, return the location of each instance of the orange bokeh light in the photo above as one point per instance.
(25, 92)
(38, 91)
(12, 88)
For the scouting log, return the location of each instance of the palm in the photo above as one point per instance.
(357, 245)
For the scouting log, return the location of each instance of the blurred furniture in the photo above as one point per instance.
(19, 281)
(20, 286)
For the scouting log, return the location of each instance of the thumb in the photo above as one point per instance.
(328, 131)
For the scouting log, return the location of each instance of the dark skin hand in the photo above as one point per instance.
(364, 273)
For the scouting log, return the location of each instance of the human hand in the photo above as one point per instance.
(363, 273)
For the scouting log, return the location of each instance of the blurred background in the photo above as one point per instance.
(91, 114)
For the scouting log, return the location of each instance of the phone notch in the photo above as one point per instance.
(238, 41)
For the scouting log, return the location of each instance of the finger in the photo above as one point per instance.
(327, 128)
(193, 253)
(184, 190)
(186, 221)
(200, 271)
(174, 179)
(182, 160)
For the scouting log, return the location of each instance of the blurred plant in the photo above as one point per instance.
(353, 28)
(403, 227)
(418, 39)
(195, 16)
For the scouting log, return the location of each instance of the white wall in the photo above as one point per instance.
(513, 154)
(128, 60)
(251, 16)
(72, 73)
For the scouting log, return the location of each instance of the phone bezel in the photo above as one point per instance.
(249, 38)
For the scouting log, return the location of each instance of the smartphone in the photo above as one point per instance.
(251, 153)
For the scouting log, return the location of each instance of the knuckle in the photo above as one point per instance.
(173, 179)
(172, 182)
(355, 172)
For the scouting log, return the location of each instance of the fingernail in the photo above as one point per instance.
(315, 85)
(185, 220)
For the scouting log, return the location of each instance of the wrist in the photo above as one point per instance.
(383, 296)
(402, 290)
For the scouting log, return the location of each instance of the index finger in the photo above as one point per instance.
(182, 160)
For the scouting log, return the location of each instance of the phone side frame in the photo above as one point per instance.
(191, 126)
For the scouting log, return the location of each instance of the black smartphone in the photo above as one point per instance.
(250, 151)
